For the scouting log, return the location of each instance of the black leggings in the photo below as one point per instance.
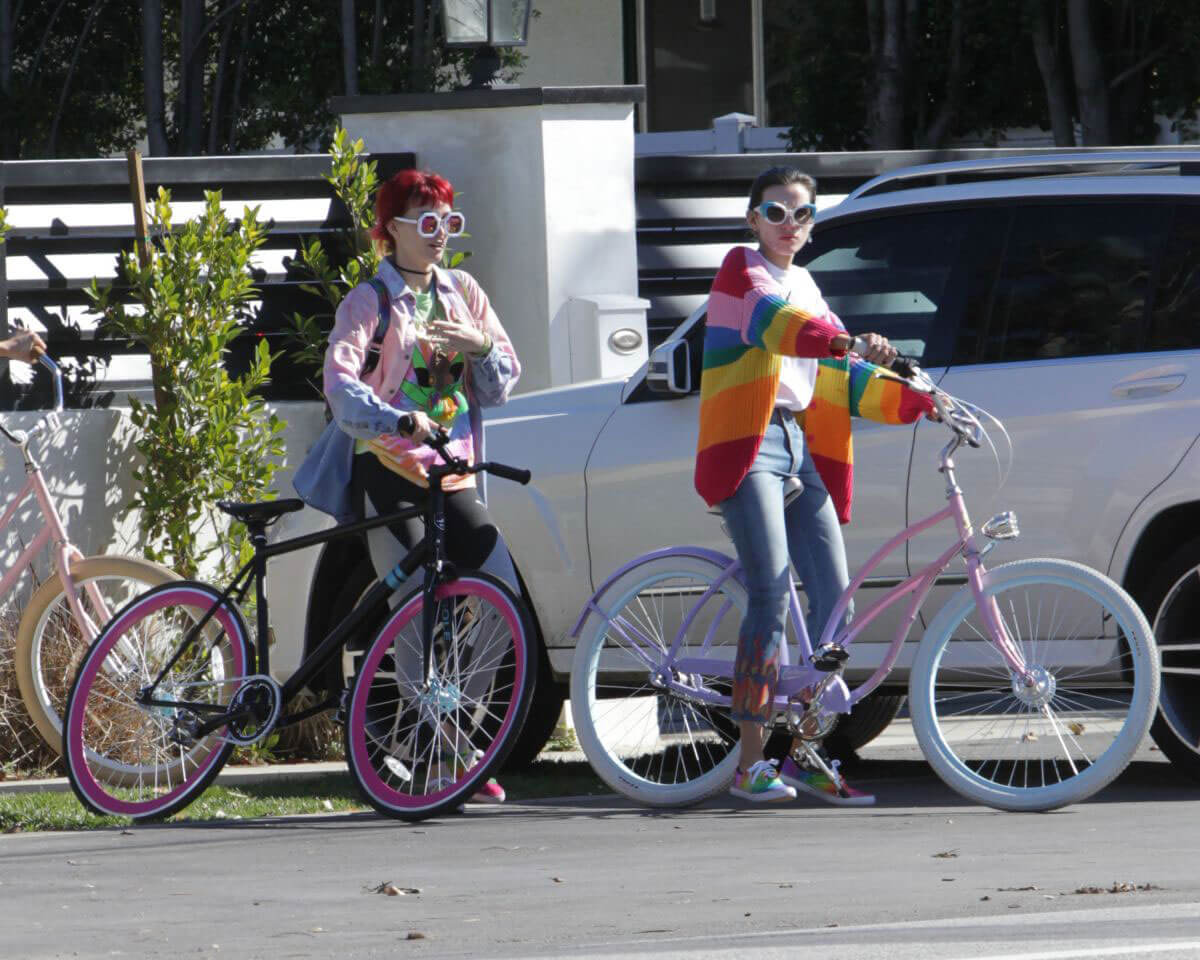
(470, 534)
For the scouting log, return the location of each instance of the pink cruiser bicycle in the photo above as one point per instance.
(67, 611)
(1031, 688)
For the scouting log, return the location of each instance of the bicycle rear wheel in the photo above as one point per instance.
(51, 644)
(652, 744)
(1017, 746)
(417, 752)
(131, 760)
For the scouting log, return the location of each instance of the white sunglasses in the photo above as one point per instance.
(429, 224)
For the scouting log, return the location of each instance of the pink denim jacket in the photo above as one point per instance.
(358, 403)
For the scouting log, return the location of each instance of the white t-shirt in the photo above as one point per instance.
(798, 377)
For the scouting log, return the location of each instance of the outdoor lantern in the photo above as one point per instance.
(486, 23)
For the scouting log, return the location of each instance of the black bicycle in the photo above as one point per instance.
(173, 683)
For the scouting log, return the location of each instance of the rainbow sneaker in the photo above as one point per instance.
(761, 783)
(817, 784)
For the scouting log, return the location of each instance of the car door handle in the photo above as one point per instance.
(1148, 387)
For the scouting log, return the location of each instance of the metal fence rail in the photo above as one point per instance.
(71, 219)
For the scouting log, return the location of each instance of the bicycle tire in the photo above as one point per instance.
(120, 757)
(50, 644)
(612, 698)
(416, 754)
(1012, 747)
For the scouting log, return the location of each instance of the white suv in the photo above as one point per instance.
(1063, 300)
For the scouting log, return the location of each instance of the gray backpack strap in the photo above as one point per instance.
(371, 361)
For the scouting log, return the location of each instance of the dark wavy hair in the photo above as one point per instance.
(780, 177)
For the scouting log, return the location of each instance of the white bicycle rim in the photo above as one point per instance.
(648, 745)
(1014, 748)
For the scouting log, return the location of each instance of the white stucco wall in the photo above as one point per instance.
(549, 196)
(574, 42)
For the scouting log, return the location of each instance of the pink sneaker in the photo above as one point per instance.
(490, 792)
(817, 784)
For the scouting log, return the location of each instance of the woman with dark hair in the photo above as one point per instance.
(776, 397)
(414, 350)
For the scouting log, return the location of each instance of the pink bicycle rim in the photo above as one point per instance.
(83, 774)
(358, 708)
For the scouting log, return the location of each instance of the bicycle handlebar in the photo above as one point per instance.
(456, 465)
(965, 425)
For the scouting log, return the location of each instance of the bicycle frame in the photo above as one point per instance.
(53, 531)
(802, 675)
(428, 552)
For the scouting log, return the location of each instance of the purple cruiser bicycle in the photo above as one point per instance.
(1031, 688)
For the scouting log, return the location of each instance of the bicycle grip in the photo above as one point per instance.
(904, 366)
(516, 474)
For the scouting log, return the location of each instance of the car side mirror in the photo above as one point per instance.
(670, 369)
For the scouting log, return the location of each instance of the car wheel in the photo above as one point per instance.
(544, 710)
(869, 718)
(1171, 602)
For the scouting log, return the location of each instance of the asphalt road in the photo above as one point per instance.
(921, 875)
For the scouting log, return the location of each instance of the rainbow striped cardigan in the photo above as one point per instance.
(750, 325)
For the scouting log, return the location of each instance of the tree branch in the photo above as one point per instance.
(52, 143)
(1126, 75)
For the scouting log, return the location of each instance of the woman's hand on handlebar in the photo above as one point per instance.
(875, 349)
(418, 425)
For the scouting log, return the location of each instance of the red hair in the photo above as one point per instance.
(408, 188)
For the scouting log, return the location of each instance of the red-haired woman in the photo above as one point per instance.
(442, 357)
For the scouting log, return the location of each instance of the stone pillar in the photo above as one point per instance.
(545, 177)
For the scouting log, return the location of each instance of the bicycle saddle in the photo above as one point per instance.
(259, 513)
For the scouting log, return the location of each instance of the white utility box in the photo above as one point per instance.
(608, 335)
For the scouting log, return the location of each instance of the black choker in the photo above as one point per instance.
(424, 273)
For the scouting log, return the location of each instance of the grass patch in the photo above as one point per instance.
(331, 793)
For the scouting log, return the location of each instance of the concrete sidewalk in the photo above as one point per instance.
(244, 775)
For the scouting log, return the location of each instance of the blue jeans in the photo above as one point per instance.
(766, 536)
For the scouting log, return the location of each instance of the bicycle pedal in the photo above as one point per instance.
(829, 658)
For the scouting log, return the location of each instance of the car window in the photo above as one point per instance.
(1175, 313)
(896, 276)
(1074, 282)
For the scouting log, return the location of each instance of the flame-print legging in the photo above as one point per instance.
(765, 536)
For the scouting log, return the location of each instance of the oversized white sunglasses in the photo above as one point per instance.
(430, 223)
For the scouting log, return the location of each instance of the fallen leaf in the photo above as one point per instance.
(557, 879)
(1029, 737)
(1075, 727)
(831, 924)
(1032, 886)
(389, 889)
(946, 855)
(416, 935)
(985, 897)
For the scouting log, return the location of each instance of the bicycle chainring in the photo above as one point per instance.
(259, 701)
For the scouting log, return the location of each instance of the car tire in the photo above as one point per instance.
(1171, 601)
(544, 710)
(869, 718)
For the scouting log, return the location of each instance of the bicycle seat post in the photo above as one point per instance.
(257, 528)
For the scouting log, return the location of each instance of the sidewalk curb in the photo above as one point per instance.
(230, 776)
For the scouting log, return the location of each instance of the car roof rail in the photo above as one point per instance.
(1188, 161)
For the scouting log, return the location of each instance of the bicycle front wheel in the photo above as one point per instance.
(146, 762)
(1071, 725)
(50, 642)
(419, 749)
(651, 742)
